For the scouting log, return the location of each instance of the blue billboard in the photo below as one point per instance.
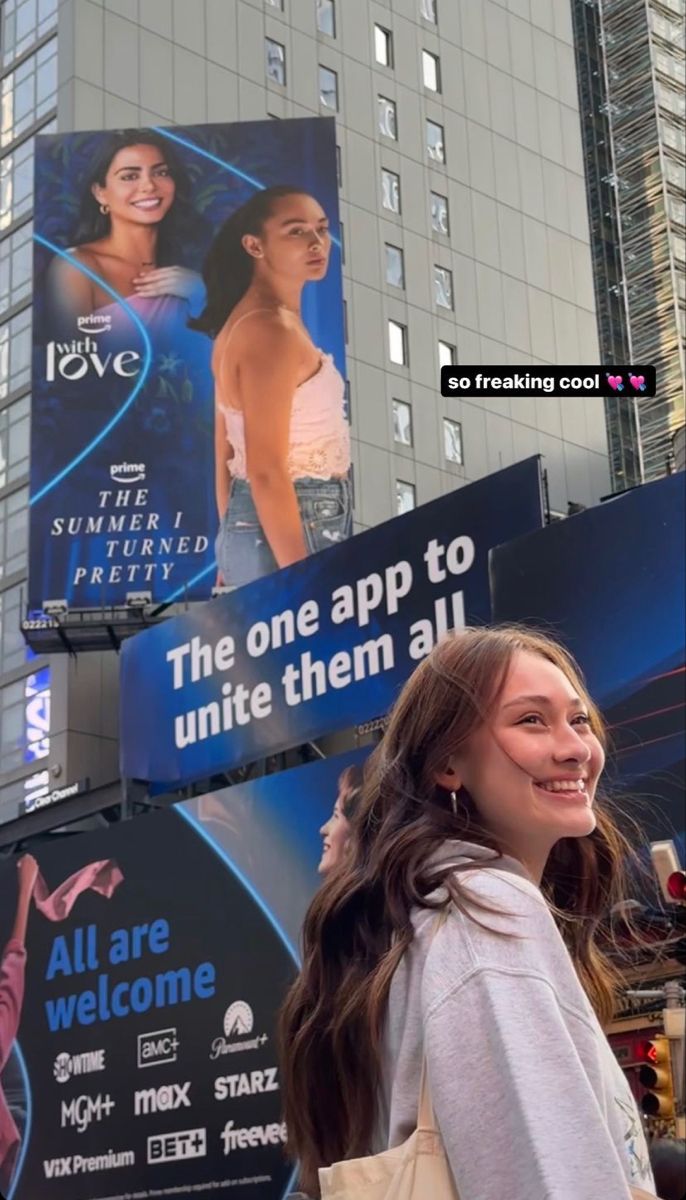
(163, 258)
(321, 645)
(611, 584)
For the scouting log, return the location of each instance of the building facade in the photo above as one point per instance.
(465, 234)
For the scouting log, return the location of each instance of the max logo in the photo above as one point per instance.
(73, 360)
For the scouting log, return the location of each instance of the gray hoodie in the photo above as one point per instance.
(528, 1096)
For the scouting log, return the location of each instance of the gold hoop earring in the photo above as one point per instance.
(104, 209)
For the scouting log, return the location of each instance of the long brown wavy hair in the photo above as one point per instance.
(358, 925)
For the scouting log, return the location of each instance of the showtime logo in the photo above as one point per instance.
(157, 1047)
(165, 1098)
(68, 1065)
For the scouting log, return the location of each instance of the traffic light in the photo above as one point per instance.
(655, 1075)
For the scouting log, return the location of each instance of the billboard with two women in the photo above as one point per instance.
(189, 425)
(141, 971)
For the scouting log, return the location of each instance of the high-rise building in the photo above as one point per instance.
(465, 223)
(632, 95)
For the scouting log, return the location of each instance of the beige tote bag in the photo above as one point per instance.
(416, 1170)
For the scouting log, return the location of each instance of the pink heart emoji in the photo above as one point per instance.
(615, 381)
(636, 381)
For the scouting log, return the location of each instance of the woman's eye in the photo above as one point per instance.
(584, 717)
(529, 719)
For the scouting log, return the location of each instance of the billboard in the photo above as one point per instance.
(187, 329)
(139, 983)
(623, 564)
(320, 646)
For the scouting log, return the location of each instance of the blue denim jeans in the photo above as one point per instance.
(242, 550)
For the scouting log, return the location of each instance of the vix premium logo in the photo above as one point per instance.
(81, 1110)
(165, 1098)
(238, 1025)
(68, 1065)
(157, 1047)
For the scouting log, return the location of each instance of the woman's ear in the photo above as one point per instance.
(449, 778)
(251, 245)
(98, 192)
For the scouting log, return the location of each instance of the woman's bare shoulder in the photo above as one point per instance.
(261, 332)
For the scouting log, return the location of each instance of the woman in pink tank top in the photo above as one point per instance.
(282, 442)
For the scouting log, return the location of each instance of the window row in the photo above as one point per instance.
(403, 432)
(16, 267)
(387, 110)
(24, 22)
(398, 352)
(28, 93)
(13, 650)
(15, 353)
(383, 53)
(395, 276)
(15, 432)
(326, 13)
(14, 530)
(16, 180)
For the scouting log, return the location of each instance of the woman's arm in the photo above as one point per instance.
(70, 294)
(269, 366)
(504, 1060)
(173, 281)
(27, 873)
(222, 479)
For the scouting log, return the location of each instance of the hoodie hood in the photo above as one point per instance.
(456, 853)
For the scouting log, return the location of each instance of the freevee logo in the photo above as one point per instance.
(252, 1137)
(157, 1047)
(127, 472)
(238, 1025)
(67, 1065)
(72, 360)
(245, 1084)
(161, 1099)
(171, 1147)
(83, 1109)
(81, 1164)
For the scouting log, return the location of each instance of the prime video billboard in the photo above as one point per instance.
(187, 329)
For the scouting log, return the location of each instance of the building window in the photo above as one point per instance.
(276, 4)
(15, 353)
(439, 213)
(431, 71)
(276, 61)
(443, 287)
(397, 343)
(16, 253)
(402, 423)
(326, 17)
(447, 355)
(388, 123)
(14, 440)
(16, 183)
(28, 93)
(395, 266)
(452, 441)
(427, 9)
(328, 88)
(390, 190)
(383, 46)
(405, 497)
(24, 22)
(12, 645)
(435, 142)
(14, 528)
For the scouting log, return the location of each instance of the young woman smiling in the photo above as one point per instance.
(482, 805)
